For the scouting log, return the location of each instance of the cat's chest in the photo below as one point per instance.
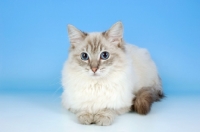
(99, 95)
(99, 90)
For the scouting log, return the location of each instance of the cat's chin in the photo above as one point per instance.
(95, 75)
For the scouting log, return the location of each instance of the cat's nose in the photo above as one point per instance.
(94, 69)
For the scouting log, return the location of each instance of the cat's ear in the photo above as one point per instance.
(115, 33)
(75, 35)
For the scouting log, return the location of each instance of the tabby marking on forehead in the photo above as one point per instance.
(94, 43)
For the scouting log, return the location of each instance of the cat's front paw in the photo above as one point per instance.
(103, 120)
(85, 118)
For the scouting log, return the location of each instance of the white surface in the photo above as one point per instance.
(42, 112)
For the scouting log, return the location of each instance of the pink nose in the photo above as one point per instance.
(94, 69)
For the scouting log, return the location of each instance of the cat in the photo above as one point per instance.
(105, 77)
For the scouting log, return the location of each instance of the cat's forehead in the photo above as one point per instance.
(94, 38)
(94, 42)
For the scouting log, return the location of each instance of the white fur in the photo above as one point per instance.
(116, 90)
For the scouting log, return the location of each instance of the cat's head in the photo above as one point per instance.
(97, 54)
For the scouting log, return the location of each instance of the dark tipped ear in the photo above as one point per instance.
(75, 35)
(115, 33)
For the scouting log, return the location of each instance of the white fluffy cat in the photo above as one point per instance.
(104, 77)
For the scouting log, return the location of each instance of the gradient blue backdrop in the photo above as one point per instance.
(34, 43)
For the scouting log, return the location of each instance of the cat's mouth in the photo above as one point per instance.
(98, 72)
(95, 75)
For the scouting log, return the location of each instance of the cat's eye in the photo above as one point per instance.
(84, 56)
(104, 55)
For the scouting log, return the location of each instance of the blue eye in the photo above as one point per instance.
(84, 56)
(104, 55)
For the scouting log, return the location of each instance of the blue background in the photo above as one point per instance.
(34, 42)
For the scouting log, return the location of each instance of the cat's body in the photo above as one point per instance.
(104, 77)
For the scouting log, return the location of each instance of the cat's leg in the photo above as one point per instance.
(105, 117)
(144, 99)
(85, 117)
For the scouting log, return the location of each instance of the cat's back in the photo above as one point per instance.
(144, 66)
(137, 51)
(138, 55)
